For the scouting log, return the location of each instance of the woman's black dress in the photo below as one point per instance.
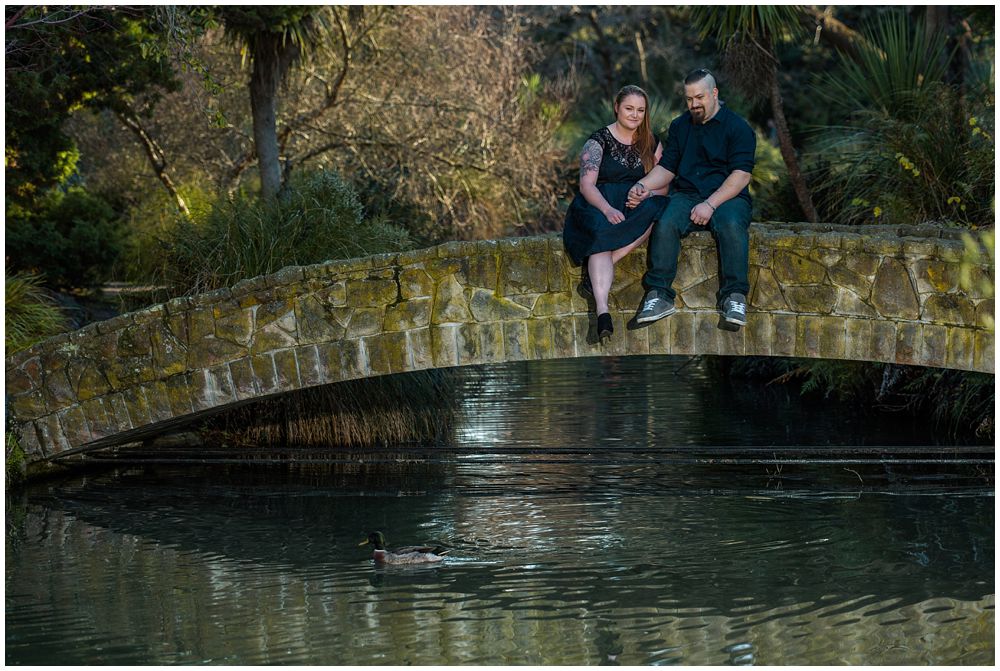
(587, 231)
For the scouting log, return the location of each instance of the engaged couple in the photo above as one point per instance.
(633, 188)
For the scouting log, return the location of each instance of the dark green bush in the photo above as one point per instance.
(317, 218)
(74, 238)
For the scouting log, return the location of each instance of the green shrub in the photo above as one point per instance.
(30, 314)
(913, 148)
(318, 218)
(73, 237)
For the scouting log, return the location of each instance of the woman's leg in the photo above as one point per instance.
(619, 254)
(601, 268)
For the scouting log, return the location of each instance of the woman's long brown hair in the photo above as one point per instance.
(642, 138)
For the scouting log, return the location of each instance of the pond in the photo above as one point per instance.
(633, 511)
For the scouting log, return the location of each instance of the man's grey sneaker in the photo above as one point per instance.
(654, 306)
(734, 309)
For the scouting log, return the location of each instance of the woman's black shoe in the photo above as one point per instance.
(604, 326)
(585, 289)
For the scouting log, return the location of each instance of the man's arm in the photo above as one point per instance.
(734, 184)
(656, 180)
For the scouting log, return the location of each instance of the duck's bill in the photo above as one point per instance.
(364, 542)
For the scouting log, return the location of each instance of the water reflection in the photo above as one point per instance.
(214, 566)
(594, 519)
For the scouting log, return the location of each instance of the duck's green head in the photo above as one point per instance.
(375, 538)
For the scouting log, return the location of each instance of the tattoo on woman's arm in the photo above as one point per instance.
(590, 157)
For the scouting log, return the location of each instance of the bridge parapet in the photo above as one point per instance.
(824, 291)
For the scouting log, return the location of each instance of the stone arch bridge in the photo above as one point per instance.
(871, 294)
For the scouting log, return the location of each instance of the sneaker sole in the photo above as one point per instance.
(734, 320)
(653, 318)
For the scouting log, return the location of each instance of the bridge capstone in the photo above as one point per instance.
(871, 294)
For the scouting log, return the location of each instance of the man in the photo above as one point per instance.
(707, 163)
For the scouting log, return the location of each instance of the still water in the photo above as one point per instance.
(600, 511)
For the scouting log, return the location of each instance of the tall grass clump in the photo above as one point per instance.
(30, 313)
(912, 147)
(390, 410)
(318, 217)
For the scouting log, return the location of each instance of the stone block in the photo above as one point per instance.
(74, 426)
(115, 406)
(19, 381)
(733, 343)
(51, 438)
(287, 368)
(319, 321)
(177, 306)
(851, 242)
(791, 269)
(765, 292)
(984, 315)
(101, 426)
(983, 359)
(961, 348)
(265, 374)
(707, 336)
(28, 436)
(387, 353)
(849, 303)
(157, 401)
(658, 337)
(492, 340)
(442, 268)
(844, 278)
(415, 283)
(933, 345)
(908, 343)
(564, 337)
(87, 378)
(829, 240)
(233, 323)
(244, 378)
(825, 257)
(444, 345)
(522, 272)
(893, 294)
(365, 322)
(916, 247)
(200, 324)
(481, 270)
(457, 249)
(374, 291)
(784, 329)
(559, 268)
(170, 352)
(470, 344)
(450, 305)
(310, 371)
(287, 275)
(628, 296)
(275, 327)
(759, 335)
(212, 388)
(682, 333)
(27, 406)
(136, 406)
(539, 338)
(807, 337)
(933, 276)
(818, 299)
(858, 339)
(179, 395)
(949, 309)
(212, 351)
(488, 307)
(981, 282)
(691, 269)
(415, 257)
(515, 340)
(583, 329)
(421, 353)
(832, 336)
(883, 246)
(637, 340)
(861, 263)
(883, 343)
(410, 314)
(552, 305)
(700, 296)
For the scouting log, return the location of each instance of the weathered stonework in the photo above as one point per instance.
(860, 293)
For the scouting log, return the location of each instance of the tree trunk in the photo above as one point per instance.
(788, 153)
(263, 102)
(155, 154)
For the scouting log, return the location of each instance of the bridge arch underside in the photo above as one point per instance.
(817, 292)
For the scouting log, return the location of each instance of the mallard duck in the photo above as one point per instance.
(411, 554)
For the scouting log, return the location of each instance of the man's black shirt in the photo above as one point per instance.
(702, 156)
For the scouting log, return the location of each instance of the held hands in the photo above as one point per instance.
(614, 216)
(636, 195)
(702, 213)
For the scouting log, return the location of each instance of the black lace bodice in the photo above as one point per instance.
(620, 162)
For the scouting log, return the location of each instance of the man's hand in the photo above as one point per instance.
(636, 195)
(614, 216)
(702, 213)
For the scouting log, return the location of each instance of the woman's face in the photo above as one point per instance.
(630, 111)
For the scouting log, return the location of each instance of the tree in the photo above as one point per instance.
(273, 38)
(749, 34)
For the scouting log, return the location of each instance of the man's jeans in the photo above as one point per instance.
(730, 226)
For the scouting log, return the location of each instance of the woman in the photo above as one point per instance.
(599, 230)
